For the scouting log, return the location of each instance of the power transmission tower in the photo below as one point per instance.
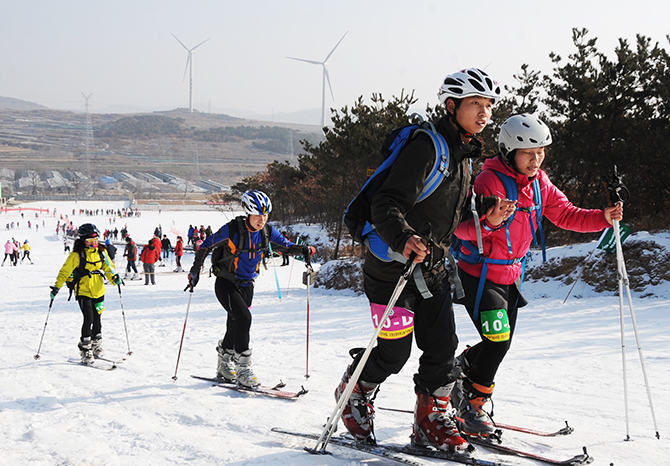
(88, 136)
(289, 148)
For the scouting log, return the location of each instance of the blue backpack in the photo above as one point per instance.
(476, 254)
(357, 215)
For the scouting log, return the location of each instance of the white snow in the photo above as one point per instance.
(565, 364)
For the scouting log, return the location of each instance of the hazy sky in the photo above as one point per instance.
(122, 51)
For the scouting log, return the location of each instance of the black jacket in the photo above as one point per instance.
(397, 216)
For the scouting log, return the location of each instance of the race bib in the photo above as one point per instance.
(100, 307)
(399, 323)
(495, 324)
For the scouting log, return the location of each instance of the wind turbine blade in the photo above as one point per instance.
(199, 45)
(331, 52)
(182, 44)
(188, 60)
(307, 61)
(325, 72)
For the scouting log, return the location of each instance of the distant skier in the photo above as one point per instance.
(149, 256)
(165, 247)
(10, 248)
(178, 252)
(88, 286)
(240, 246)
(26, 251)
(130, 253)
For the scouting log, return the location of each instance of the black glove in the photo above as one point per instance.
(116, 279)
(193, 278)
(54, 291)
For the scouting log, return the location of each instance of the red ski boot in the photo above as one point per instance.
(433, 426)
(359, 412)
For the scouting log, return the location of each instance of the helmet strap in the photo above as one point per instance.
(248, 225)
(454, 120)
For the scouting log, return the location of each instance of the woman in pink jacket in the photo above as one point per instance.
(507, 231)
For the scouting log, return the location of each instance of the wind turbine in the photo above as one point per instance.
(326, 77)
(189, 67)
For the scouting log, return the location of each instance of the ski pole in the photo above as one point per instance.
(581, 270)
(617, 192)
(274, 267)
(331, 423)
(37, 356)
(188, 306)
(125, 327)
(623, 281)
(290, 273)
(308, 282)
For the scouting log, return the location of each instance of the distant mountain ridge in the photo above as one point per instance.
(18, 104)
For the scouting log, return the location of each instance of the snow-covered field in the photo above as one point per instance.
(565, 364)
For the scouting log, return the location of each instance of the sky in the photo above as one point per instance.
(124, 55)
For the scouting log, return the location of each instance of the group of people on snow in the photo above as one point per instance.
(451, 391)
(491, 283)
(13, 250)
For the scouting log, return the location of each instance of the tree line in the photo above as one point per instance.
(602, 112)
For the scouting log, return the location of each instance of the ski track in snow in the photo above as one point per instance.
(565, 364)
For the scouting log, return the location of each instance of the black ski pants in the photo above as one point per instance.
(237, 301)
(92, 325)
(434, 331)
(486, 356)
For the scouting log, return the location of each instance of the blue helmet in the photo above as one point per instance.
(256, 202)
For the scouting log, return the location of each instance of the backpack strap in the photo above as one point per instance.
(440, 169)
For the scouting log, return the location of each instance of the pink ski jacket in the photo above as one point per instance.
(556, 207)
(10, 247)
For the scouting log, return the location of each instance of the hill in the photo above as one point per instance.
(188, 145)
(18, 104)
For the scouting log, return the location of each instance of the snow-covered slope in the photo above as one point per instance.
(565, 364)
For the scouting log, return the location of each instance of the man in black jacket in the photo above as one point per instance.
(165, 248)
(399, 220)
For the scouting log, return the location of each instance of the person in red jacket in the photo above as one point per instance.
(149, 257)
(507, 231)
(178, 252)
(156, 241)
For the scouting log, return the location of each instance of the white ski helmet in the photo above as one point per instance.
(469, 83)
(523, 131)
(256, 202)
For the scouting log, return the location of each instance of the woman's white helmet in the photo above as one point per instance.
(523, 131)
(468, 83)
(256, 202)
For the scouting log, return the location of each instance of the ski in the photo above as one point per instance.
(94, 365)
(394, 452)
(111, 361)
(567, 430)
(275, 391)
(576, 460)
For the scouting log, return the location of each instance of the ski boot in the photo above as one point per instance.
(433, 426)
(459, 372)
(359, 413)
(245, 375)
(85, 351)
(472, 418)
(96, 346)
(225, 368)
